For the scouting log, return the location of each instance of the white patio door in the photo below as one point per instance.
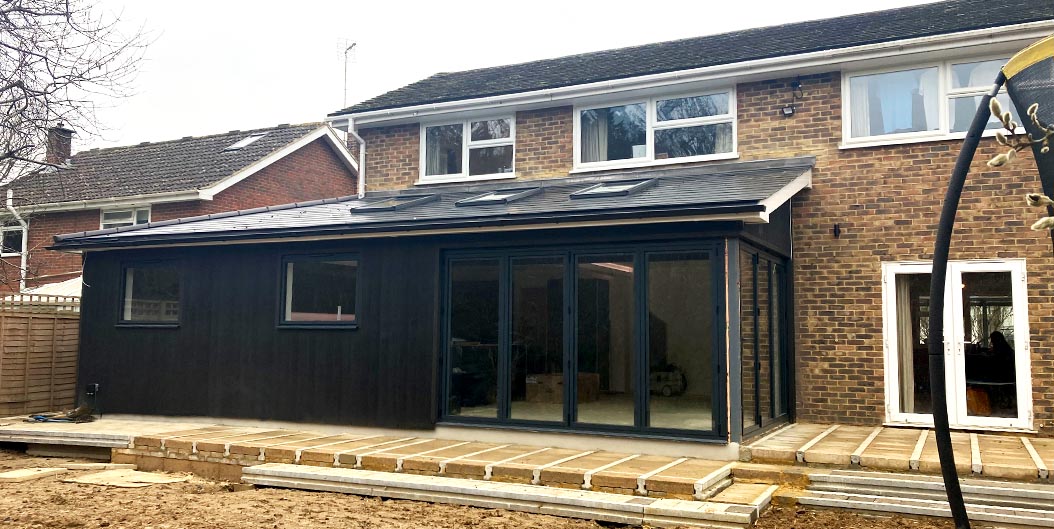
(986, 345)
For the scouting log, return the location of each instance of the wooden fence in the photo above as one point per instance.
(39, 342)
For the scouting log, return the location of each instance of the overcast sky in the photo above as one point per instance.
(221, 65)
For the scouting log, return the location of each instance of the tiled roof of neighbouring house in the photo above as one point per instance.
(712, 191)
(149, 168)
(761, 43)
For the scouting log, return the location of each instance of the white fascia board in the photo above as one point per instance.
(323, 131)
(830, 58)
(117, 202)
(781, 197)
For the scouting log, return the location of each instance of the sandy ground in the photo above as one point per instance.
(201, 504)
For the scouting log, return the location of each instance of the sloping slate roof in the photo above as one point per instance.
(161, 167)
(731, 187)
(761, 43)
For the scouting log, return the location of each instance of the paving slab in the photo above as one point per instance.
(219, 443)
(287, 452)
(930, 462)
(680, 480)
(572, 473)
(28, 474)
(390, 459)
(837, 447)
(431, 462)
(522, 470)
(757, 494)
(154, 440)
(891, 449)
(127, 478)
(783, 446)
(185, 443)
(623, 477)
(253, 448)
(476, 466)
(1006, 457)
(325, 455)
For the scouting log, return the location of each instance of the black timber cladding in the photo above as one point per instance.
(738, 187)
(752, 44)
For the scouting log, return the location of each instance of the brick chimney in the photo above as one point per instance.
(60, 143)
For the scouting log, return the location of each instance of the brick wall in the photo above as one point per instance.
(886, 201)
(312, 172)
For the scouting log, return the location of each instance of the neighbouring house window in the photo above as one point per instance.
(932, 100)
(682, 128)
(471, 149)
(116, 218)
(13, 239)
(320, 290)
(151, 294)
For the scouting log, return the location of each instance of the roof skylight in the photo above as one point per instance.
(614, 189)
(396, 203)
(503, 196)
(244, 142)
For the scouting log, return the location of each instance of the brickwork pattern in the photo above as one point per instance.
(392, 156)
(312, 172)
(544, 143)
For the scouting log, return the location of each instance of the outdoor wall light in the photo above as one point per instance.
(789, 109)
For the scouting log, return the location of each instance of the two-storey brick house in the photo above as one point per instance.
(694, 241)
(156, 181)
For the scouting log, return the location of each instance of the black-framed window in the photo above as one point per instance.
(320, 290)
(763, 340)
(150, 293)
(623, 338)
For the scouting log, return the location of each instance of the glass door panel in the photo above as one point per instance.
(536, 346)
(912, 338)
(764, 342)
(605, 339)
(473, 338)
(680, 322)
(748, 309)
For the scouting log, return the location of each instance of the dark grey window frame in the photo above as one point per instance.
(282, 323)
(179, 267)
(714, 248)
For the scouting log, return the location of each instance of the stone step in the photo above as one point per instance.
(1039, 492)
(981, 513)
(934, 495)
(758, 495)
(608, 507)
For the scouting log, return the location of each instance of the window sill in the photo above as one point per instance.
(460, 179)
(319, 326)
(878, 142)
(590, 168)
(146, 325)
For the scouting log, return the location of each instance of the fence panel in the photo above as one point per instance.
(39, 342)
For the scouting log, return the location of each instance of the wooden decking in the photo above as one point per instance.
(904, 449)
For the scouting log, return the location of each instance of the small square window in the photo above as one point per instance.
(394, 203)
(503, 196)
(320, 290)
(151, 294)
(13, 237)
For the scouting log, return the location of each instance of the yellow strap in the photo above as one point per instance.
(1036, 52)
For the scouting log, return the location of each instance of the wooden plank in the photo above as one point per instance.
(916, 454)
(854, 458)
(975, 455)
(1041, 467)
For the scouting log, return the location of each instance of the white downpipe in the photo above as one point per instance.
(362, 158)
(10, 204)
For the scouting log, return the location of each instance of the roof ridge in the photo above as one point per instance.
(202, 137)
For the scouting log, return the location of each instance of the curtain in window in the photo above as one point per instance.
(594, 135)
(860, 111)
(905, 345)
(434, 162)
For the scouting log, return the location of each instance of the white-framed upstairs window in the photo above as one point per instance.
(12, 239)
(657, 130)
(117, 218)
(476, 149)
(925, 102)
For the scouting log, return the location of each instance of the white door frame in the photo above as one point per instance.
(954, 352)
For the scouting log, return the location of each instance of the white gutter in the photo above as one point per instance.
(988, 37)
(361, 177)
(134, 200)
(25, 238)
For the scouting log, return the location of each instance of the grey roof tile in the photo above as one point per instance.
(760, 43)
(168, 166)
(741, 186)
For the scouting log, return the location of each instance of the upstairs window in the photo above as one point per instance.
(929, 101)
(117, 218)
(13, 237)
(474, 149)
(681, 129)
